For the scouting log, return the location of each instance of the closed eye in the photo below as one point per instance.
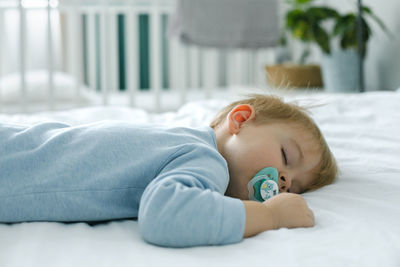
(284, 156)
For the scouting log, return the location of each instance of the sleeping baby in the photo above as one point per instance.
(214, 185)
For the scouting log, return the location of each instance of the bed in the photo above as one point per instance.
(357, 218)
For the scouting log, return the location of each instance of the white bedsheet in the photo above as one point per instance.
(357, 218)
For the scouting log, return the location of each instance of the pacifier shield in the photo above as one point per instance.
(264, 184)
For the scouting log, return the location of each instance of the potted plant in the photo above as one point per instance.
(321, 25)
(304, 22)
(340, 66)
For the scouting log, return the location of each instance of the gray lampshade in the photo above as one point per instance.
(227, 23)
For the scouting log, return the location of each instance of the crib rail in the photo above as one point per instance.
(90, 64)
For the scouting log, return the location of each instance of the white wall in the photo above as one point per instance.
(382, 65)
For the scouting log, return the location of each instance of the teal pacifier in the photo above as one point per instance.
(264, 185)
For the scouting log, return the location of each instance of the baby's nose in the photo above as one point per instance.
(284, 183)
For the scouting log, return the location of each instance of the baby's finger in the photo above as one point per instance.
(311, 217)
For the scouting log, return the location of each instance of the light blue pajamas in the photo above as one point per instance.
(172, 179)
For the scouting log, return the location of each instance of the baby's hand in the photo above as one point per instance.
(290, 210)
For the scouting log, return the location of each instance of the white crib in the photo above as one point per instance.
(83, 48)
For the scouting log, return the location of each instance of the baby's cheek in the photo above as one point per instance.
(271, 160)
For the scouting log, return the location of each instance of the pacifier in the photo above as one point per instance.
(264, 185)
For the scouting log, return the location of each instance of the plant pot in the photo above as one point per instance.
(340, 71)
(292, 75)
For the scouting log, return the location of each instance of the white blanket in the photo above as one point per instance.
(357, 218)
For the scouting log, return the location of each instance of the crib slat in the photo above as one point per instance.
(113, 52)
(210, 71)
(66, 25)
(2, 54)
(185, 70)
(265, 57)
(155, 55)
(187, 66)
(257, 67)
(173, 50)
(177, 69)
(50, 56)
(132, 66)
(103, 55)
(75, 54)
(252, 66)
(22, 52)
(200, 68)
(238, 61)
(194, 67)
(242, 60)
(79, 52)
(232, 72)
(92, 62)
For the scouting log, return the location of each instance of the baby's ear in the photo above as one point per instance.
(238, 116)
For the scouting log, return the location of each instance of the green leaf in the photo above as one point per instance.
(301, 31)
(344, 24)
(322, 13)
(366, 9)
(302, 2)
(366, 31)
(293, 17)
(321, 37)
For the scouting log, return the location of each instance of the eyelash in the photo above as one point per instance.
(284, 156)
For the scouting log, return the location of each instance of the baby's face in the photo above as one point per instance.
(284, 146)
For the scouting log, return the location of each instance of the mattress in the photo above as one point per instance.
(357, 218)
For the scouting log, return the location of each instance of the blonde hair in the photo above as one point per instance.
(272, 109)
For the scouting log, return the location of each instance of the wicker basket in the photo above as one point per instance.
(291, 75)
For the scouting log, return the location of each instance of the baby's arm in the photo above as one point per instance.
(185, 204)
(284, 210)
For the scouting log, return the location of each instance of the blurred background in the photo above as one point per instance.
(381, 64)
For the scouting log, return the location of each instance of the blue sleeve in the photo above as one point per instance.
(185, 205)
